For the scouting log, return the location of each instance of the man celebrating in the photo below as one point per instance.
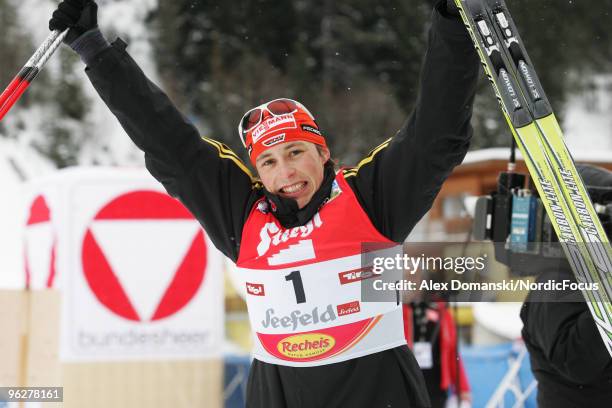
(296, 231)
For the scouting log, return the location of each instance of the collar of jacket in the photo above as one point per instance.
(286, 209)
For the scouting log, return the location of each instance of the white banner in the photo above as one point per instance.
(140, 278)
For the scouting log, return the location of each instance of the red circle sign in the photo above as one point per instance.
(143, 256)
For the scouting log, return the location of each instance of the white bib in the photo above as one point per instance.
(312, 314)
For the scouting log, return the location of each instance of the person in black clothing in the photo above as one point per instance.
(315, 344)
(568, 357)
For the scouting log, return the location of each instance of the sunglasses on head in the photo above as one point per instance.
(276, 107)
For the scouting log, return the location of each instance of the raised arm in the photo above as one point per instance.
(205, 175)
(399, 180)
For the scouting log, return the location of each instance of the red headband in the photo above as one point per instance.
(275, 129)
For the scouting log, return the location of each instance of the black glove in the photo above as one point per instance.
(451, 8)
(78, 15)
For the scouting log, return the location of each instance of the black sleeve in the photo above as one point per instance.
(208, 178)
(567, 337)
(398, 181)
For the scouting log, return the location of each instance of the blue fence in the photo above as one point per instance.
(486, 367)
(235, 380)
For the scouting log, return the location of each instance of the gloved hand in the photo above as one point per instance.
(78, 15)
(451, 8)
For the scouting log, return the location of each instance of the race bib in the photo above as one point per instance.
(312, 314)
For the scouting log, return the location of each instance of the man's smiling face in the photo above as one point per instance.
(293, 170)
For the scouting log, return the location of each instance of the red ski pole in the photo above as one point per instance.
(30, 70)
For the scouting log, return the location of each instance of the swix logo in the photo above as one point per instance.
(298, 318)
(348, 308)
(272, 235)
(255, 289)
(305, 345)
(355, 275)
(275, 123)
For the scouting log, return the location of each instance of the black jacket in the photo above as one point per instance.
(568, 357)
(396, 185)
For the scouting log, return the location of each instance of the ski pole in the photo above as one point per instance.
(29, 71)
(29, 66)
